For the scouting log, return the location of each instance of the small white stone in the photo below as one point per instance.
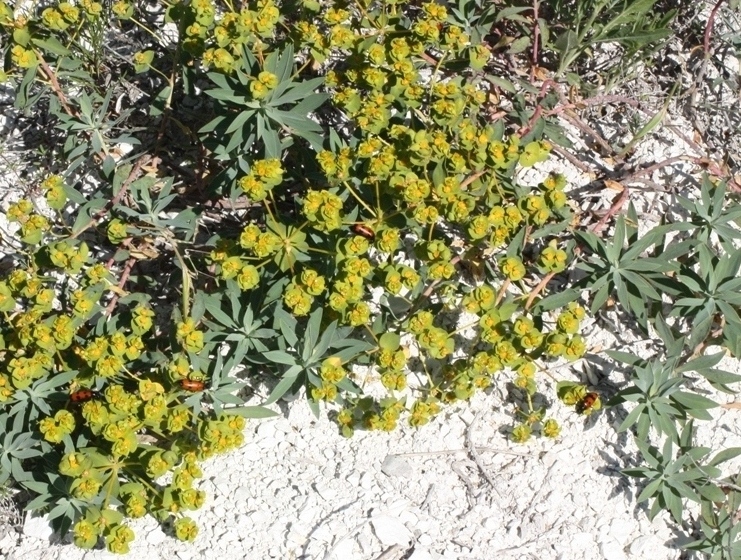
(621, 529)
(37, 527)
(491, 523)
(647, 546)
(396, 466)
(390, 530)
(365, 543)
(326, 491)
(611, 550)
(366, 481)
(344, 550)
(267, 443)
(424, 539)
(407, 517)
(323, 534)
(156, 536)
(421, 554)
(296, 537)
(9, 540)
(241, 494)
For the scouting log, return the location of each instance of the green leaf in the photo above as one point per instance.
(556, 301)
(280, 357)
(52, 45)
(624, 357)
(311, 335)
(567, 41)
(724, 456)
(701, 362)
(519, 45)
(252, 411)
(632, 417)
(507, 13)
(389, 341)
(651, 489)
(326, 340)
(288, 380)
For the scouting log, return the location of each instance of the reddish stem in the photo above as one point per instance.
(124, 278)
(536, 39)
(709, 28)
(538, 289)
(617, 205)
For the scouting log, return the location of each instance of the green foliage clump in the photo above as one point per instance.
(385, 218)
(345, 217)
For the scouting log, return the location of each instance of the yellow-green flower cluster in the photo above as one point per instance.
(220, 435)
(264, 175)
(512, 268)
(261, 86)
(143, 61)
(246, 275)
(423, 410)
(553, 259)
(189, 336)
(521, 433)
(186, 529)
(141, 319)
(299, 294)
(384, 419)
(220, 42)
(438, 256)
(55, 428)
(346, 290)
(135, 500)
(261, 244)
(433, 339)
(391, 366)
(61, 17)
(482, 298)
(68, 257)
(323, 210)
(118, 538)
(553, 188)
(336, 166)
(122, 9)
(331, 373)
(564, 342)
(33, 225)
(54, 190)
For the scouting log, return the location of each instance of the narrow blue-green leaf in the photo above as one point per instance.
(693, 401)
(711, 492)
(324, 342)
(701, 362)
(632, 417)
(251, 411)
(625, 357)
(725, 455)
(614, 248)
(280, 357)
(280, 389)
(651, 489)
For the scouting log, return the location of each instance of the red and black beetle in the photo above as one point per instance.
(363, 230)
(587, 402)
(192, 385)
(84, 395)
